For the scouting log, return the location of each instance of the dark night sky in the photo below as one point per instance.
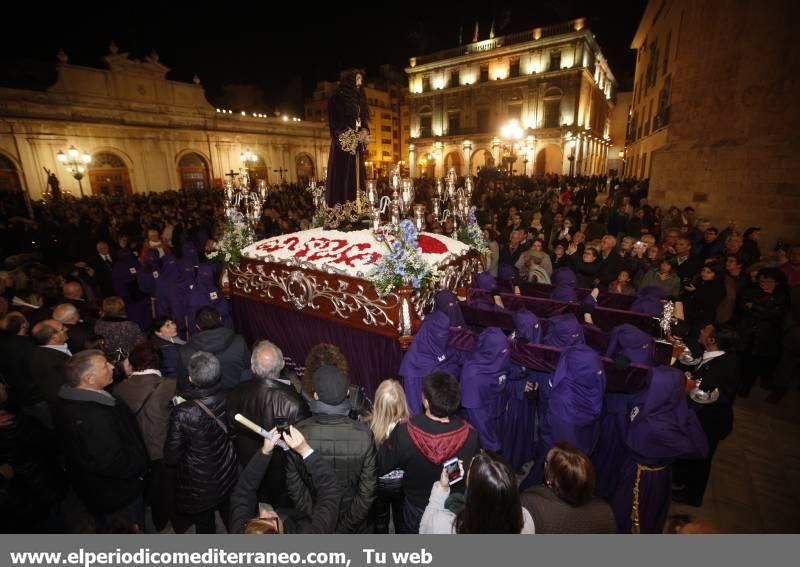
(296, 41)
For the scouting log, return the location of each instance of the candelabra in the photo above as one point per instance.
(384, 213)
(244, 205)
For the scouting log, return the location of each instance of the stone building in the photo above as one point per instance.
(534, 102)
(144, 133)
(715, 123)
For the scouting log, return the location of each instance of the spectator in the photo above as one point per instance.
(229, 348)
(347, 445)
(492, 503)
(762, 308)
(77, 332)
(663, 276)
(244, 503)
(165, 338)
(266, 394)
(199, 444)
(565, 503)
(390, 409)
(121, 334)
(422, 444)
(148, 396)
(47, 363)
(103, 450)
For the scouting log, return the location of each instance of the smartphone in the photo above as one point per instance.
(281, 424)
(453, 471)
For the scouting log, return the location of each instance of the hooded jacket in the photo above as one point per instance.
(227, 346)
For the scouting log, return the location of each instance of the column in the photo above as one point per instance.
(467, 153)
(412, 160)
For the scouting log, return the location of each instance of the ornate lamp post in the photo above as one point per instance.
(512, 132)
(77, 163)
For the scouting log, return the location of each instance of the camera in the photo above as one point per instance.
(281, 424)
(453, 471)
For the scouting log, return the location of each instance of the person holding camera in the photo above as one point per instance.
(266, 396)
(249, 516)
(491, 504)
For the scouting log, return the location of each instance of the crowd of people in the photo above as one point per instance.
(122, 373)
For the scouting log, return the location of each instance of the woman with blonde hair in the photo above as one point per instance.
(391, 407)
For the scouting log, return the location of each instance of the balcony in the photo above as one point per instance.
(503, 41)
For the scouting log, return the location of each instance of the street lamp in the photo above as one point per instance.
(513, 132)
(76, 162)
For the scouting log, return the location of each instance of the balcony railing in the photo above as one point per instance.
(503, 41)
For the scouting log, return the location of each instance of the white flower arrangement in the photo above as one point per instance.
(235, 237)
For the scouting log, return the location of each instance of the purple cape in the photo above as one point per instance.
(482, 386)
(171, 297)
(564, 283)
(579, 384)
(205, 293)
(633, 343)
(485, 281)
(428, 352)
(447, 302)
(662, 425)
(527, 326)
(564, 331)
(507, 272)
(649, 301)
(189, 253)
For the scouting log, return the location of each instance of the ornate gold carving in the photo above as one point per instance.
(303, 291)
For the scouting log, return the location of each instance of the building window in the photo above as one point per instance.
(483, 120)
(666, 53)
(513, 70)
(386, 128)
(555, 60)
(484, 73)
(425, 126)
(396, 148)
(386, 141)
(453, 123)
(552, 113)
(384, 153)
(455, 78)
(385, 115)
(426, 84)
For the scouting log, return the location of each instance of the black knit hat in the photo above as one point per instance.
(330, 385)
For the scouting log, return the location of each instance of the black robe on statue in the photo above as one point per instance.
(342, 113)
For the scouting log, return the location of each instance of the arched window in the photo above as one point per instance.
(109, 175)
(9, 177)
(304, 166)
(193, 171)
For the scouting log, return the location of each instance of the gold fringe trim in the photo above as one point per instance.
(635, 526)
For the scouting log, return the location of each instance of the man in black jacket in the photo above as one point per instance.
(610, 261)
(266, 394)
(229, 348)
(48, 360)
(101, 264)
(103, 450)
(199, 445)
(422, 444)
(247, 516)
(347, 445)
(718, 373)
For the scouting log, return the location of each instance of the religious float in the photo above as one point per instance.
(365, 290)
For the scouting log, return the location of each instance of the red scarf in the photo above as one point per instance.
(437, 448)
